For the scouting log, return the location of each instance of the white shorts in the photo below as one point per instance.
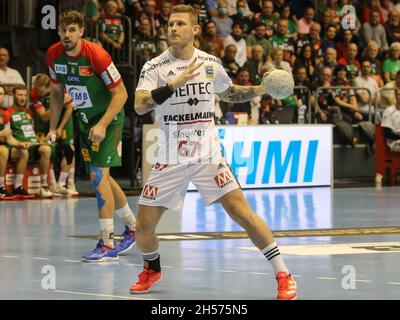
(167, 184)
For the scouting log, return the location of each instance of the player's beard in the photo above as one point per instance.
(69, 46)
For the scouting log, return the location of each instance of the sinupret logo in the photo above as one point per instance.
(150, 192)
(223, 179)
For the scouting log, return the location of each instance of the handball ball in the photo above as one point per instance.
(279, 84)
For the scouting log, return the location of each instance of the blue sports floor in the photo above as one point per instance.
(41, 243)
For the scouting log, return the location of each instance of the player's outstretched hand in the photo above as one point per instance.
(97, 133)
(187, 75)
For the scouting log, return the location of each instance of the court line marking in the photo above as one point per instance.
(395, 283)
(260, 273)
(195, 269)
(363, 280)
(73, 261)
(10, 257)
(227, 271)
(100, 295)
(40, 258)
(326, 278)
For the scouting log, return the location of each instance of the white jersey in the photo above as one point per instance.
(391, 119)
(186, 119)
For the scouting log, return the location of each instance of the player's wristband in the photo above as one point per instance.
(160, 95)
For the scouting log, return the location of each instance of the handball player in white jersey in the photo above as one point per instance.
(180, 85)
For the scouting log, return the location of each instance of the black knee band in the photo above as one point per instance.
(160, 95)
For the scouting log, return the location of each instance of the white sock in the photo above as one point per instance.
(71, 176)
(150, 256)
(18, 180)
(43, 179)
(271, 252)
(2, 182)
(126, 215)
(62, 179)
(53, 180)
(107, 231)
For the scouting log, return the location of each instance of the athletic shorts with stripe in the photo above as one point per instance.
(167, 184)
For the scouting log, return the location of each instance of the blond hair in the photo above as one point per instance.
(41, 80)
(183, 8)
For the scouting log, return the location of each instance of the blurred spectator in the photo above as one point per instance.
(345, 98)
(112, 29)
(371, 53)
(304, 24)
(373, 30)
(210, 36)
(163, 16)
(326, 110)
(145, 43)
(343, 45)
(312, 38)
(278, 5)
(351, 63)
(301, 79)
(329, 60)
(242, 17)
(279, 39)
(307, 60)
(228, 61)
(7, 74)
(388, 96)
(266, 17)
(286, 13)
(333, 8)
(370, 7)
(255, 64)
(236, 38)
(364, 80)
(393, 27)
(391, 124)
(258, 39)
(134, 11)
(211, 7)
(200, 9)
(329, 40)
(243, 79)
(277, 60)
(222, 20)
(392, 64)
(149, 11)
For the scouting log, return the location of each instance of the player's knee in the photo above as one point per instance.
(96, 176)
(4, 152)
(45, 151)
(23, 154)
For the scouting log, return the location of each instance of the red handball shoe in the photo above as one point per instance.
(147, 278)
(286, 286)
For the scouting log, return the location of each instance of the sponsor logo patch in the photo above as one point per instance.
(52, 74)
(106, 78)
(150, 192)
(119, 149)
(95, 146)
(209, 71)
(223, 179)
(85, 155)
(85, 71)
(170, 74)
(113, 71)
(73, 79)
(60, 68)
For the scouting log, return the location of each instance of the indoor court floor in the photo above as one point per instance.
(338, 243)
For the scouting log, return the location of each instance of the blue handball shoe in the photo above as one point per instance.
(101, 253)
(127, 242)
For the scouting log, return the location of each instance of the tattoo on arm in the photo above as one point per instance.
(238, 94)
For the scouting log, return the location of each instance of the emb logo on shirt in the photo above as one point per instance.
(80, 96)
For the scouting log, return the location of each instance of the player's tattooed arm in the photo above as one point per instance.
(238, 94)
(144, 102)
